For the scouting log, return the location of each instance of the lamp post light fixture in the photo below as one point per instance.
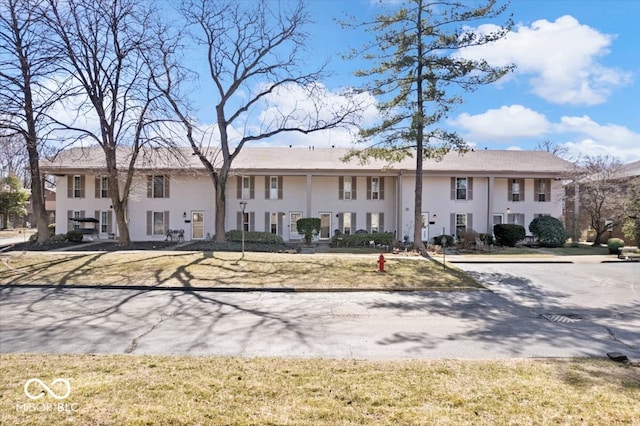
(243, 205)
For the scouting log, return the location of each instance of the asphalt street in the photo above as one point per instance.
(528, 310)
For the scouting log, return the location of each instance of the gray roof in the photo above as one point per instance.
(299, 160)
(630, 170)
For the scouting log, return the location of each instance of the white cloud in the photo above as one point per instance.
(561, 57)
(593, 138)
(506, 123)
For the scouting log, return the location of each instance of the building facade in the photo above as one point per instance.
(281, 185)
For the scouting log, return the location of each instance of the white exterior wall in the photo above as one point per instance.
(323, 198)
(187, 194)
(436, 200)
(312, 195)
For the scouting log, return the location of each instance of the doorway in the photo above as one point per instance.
(325, 226)
(197, 225)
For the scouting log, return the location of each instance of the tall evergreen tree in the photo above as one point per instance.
(420, 73)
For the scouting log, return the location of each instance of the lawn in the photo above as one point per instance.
(230, 270)
(162, 390)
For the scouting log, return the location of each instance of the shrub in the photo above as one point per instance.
(254, 237)
(614, 245)
(487, 239)
(549, 231)
(308, 227)
(467, 238)
(52, 231)
(438, 240)
(58, 239)
(508, 234)
(362, 239)
(75, 235)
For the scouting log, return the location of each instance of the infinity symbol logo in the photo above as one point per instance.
(47, 389)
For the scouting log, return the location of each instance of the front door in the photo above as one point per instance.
(325, 226)
(425, 226)
(197, 225)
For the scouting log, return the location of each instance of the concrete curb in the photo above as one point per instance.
(241, 289)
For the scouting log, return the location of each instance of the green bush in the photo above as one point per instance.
(254, 237)
(614, 245)
(549, 231)
(308, 227)
(362, 239)
(508, 234)
(75, 235)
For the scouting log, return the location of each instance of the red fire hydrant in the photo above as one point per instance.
(381, 262)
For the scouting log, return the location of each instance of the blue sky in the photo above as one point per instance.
(577, 81)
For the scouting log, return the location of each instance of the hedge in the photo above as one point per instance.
(254, 237)
(362, 239)
(508, 234)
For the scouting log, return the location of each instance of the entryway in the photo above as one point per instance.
(197, 225)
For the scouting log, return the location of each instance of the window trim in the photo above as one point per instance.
(104, 186)
(458, 188)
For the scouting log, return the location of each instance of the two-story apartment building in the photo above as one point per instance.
(281, 185)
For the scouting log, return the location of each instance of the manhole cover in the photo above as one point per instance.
(563, 318)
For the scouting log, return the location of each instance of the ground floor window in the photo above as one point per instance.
(158, 223)
(461, 222)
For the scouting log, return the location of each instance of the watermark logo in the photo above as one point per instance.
(35, 389)
(46, 389)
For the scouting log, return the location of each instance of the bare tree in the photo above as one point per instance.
(419, 79)
(253, 50)
(25, 68)
(600, 194)
(103, 44)
(14, 158)
(555, 149)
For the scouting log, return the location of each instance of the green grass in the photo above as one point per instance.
(162, 390)
(226, 269)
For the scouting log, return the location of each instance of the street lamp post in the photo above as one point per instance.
(243, 204)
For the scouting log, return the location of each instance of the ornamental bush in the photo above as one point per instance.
(308, 227)
(614, 245)
(508, 234)
(74, 236)
(361, 239)
(549, 231)
(254, 237)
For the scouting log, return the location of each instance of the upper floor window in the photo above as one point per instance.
(461, 188)
(347, 188)
(273, 188)
(102, 187)
(157, 186)
(246, 186)
(75, 186)
(375, 188)
(516, 190)
(543, 190)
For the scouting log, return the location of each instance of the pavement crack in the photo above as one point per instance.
(134, 342)
(614, 337)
